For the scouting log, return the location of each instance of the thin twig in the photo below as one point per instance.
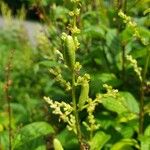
(142, 93)
(7, 96)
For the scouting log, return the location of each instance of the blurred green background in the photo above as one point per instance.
(102, 39)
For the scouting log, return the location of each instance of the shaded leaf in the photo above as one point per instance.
(32, 134)
(68, 140)
(125, 144)
(99, 140)
(115, 105)
(131, 102)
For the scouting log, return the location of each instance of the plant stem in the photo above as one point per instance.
(141, 114)
(123, 6)
(7, 96)
(79, 135)
(123, 64)
(91, 135)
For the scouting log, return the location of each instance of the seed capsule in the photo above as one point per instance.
(57, 145)
(69, 51)
(84, 95)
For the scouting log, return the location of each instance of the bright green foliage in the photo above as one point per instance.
(57, 144)
(31, 134)
(125, 144)
(94, 77)
(98, 141)
(145, 144)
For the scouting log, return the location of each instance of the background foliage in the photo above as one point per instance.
(104, 40)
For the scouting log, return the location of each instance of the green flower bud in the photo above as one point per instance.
(57, 144)
(84, 95)
(69, 51)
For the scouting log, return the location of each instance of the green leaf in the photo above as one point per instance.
(47, 63)
(146, 11)
(4, 140)
(131, 103)
(115, 105)
(68, 140)
(139, 53)
(145, 142)
(145, 139)
(19, 112)
(32, 135)
(112, 40)
(147, 131)
(94, 31)
(127, 131)
(61, 13)
(125, 105)
(99, 140)
(125, 144)
(97, 81)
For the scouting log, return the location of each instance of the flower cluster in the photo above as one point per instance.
(91, 125)
(110, 91)
(43, 41)
(75, 1)
(83, 79)
(129, 22)
(134, 64)
(64, 111)
(75, 12)
(91, 105)
(59, 78)
(77, 67)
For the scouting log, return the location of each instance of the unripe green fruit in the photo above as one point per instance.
(57, 145)
(69, 51)
(84, 95)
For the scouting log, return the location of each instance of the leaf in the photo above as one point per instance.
(68, 140)
(145, 142)
(112, 40)
(139, 53)
(32, 135)
(127, 131)
(146, 11)
(94, 31)
(115, 105)
(125, 105)
(145, 139)
(4, 140)
(61, 13)
(130, 101)
(125, 144)
(19, 112)
(99, 140)
(47, 63)
(147, 131)
(97, 80)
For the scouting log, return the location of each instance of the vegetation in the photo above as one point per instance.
(85, 84)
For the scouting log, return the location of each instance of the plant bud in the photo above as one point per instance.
(69, 51)
(57, 144)
(84, 95)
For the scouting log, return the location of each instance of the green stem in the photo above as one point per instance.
(141, 114)
(123, 64)
(125, 6)
(79, 135)
(91, 135)
(8, 99)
